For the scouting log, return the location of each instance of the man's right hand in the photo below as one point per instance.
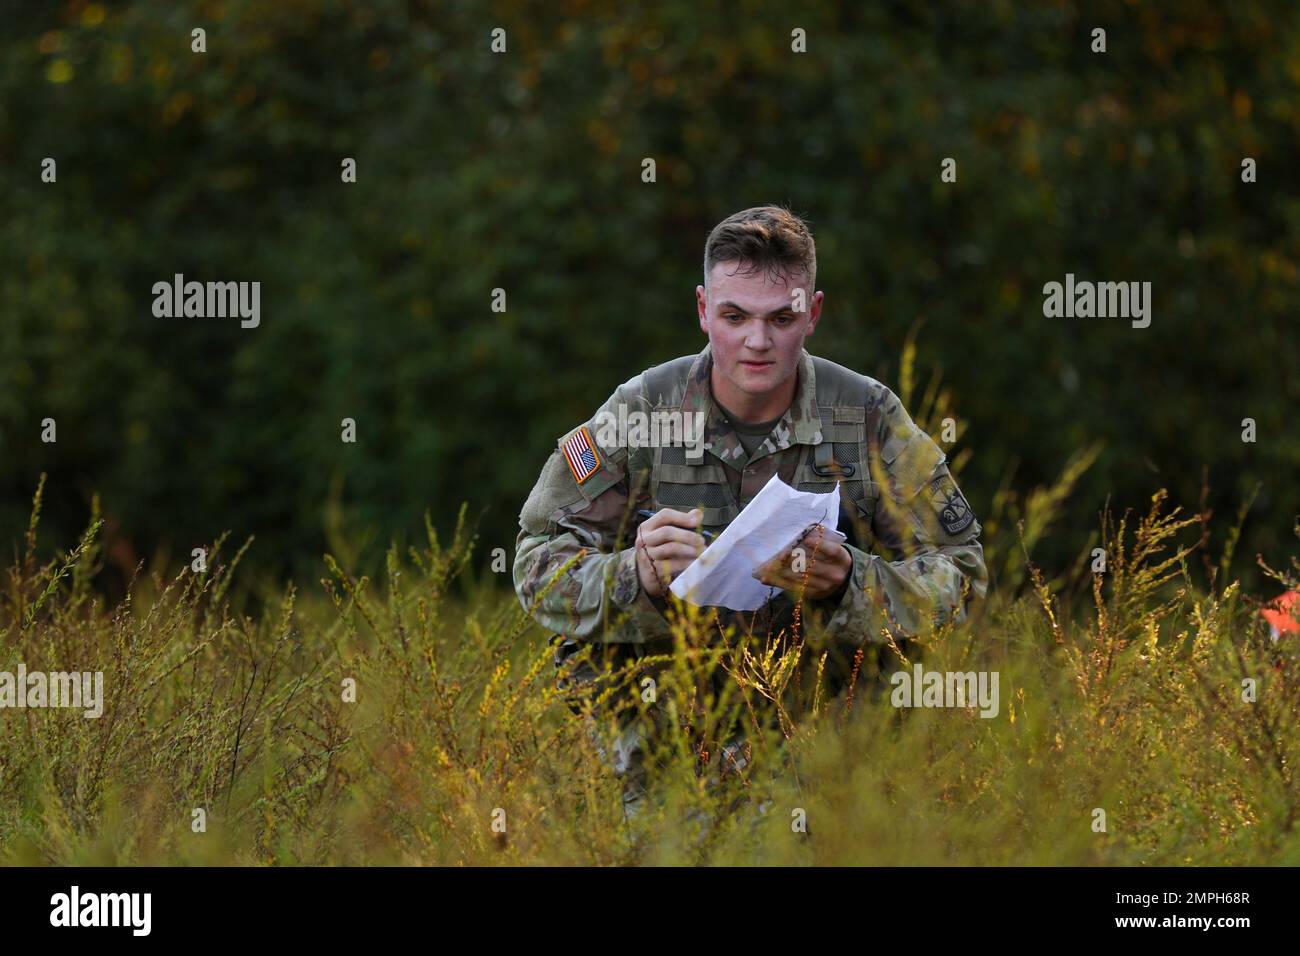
(668, 541)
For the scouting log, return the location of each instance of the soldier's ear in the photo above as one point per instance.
(814, 311)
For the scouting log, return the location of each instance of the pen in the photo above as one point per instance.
(646, 513)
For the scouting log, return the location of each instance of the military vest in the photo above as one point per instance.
(841, 456)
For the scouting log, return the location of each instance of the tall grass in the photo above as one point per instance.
(459, 749)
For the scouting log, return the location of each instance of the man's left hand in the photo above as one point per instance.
(825, 568)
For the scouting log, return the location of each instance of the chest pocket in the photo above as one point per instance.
(839, 460)
(682, 487)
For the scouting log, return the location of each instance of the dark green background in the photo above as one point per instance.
(522, 171)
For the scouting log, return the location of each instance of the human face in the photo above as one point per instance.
(755, 337)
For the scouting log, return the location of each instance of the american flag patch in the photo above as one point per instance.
(581, 455)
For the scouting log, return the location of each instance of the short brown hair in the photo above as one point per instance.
(770, 238)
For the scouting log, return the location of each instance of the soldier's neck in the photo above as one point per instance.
(750, 408)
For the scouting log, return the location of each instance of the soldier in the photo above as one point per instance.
(767, 407)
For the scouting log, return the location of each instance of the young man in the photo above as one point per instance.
(913, 559)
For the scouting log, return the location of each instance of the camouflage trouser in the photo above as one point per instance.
(627, 747)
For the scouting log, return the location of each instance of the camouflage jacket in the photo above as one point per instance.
(917, 560)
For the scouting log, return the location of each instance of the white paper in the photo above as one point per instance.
(777, 517)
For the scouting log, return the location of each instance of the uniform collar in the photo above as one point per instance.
(800, 425)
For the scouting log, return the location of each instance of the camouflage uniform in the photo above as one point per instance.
(914, 540)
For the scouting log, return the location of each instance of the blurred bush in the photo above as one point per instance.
(522, 171)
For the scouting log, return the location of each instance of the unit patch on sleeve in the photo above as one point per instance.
(954, 513)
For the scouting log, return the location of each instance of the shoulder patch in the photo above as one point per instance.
(954, 513)
(580, 452)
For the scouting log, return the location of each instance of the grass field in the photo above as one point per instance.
(1120, 692)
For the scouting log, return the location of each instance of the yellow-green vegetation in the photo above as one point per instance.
(1120, 691)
